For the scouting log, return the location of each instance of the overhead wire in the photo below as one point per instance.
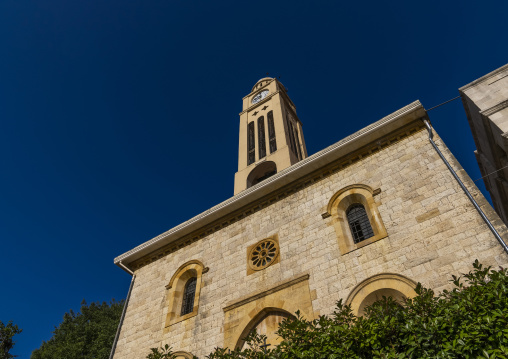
(491, 173)
(444, 103)
(453, 99)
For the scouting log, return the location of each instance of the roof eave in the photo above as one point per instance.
(369, 134)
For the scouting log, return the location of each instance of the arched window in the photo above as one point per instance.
(251, 146)
(271, 132)
(289, 125)
(188, 296)
(294, 142)
(183, 292)
(297, 142)
(355, 217)
(261, 137)
(359, 223)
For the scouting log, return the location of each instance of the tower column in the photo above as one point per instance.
(268, 96)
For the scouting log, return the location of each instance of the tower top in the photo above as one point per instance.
(265, 81)
(261, 83)
(271, 137)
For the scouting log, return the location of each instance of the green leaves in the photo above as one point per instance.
(7, 332)
(161, 353)
(469, 321)
(86, 334)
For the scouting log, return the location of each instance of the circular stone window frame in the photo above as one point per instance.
(250, 253)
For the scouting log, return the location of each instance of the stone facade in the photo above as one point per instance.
(432, 231)
(486, 103)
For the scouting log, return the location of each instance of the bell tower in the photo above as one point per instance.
(271, 137)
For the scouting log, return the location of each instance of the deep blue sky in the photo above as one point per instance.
(119, 119)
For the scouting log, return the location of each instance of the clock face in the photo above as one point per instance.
(260, 96)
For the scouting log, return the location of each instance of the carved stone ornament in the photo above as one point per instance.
(263, 254)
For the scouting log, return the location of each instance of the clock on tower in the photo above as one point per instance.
(271, 137)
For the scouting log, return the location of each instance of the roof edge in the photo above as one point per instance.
(483, 78)
(387, 124)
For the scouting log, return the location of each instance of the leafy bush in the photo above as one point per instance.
(163, 353)
(470, 321)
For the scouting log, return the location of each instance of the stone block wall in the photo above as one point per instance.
(433, 232)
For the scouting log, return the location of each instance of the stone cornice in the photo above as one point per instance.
(279, 194)
(483, 78)
(314, 168)
(492, 110)
(252, 107)
(264, 293)
(283, 94)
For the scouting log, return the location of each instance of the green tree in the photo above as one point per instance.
(7, 332)
(86, 334)
(470, 321)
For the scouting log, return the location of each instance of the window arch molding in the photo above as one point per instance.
(384, 284)
(183, 355)
(338, 206)
(176, 288)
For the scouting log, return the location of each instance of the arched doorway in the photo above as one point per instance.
(267, 323)
(378, 295)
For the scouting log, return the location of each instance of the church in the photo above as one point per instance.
(371, 215)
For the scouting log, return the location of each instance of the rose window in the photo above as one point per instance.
(263, 254)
